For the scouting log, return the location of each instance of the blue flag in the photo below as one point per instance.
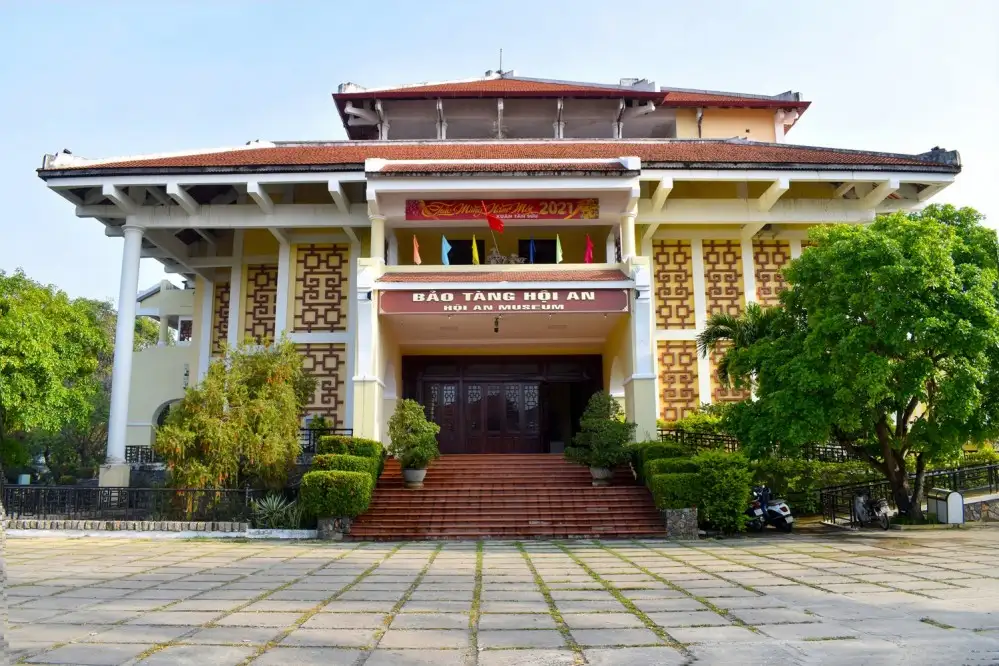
(445, 251)
(530, 250)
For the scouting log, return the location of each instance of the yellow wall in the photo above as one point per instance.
(573, 242)
(726, 123)
(259, 241)
(157, 378)
(686, 123)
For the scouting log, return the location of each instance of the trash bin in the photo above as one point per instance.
(948, 505)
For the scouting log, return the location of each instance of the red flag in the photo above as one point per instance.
(588, 255)
(495, 223)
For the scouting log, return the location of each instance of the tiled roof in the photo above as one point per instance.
(491, 86)
(400, 168)
(507, 276)
(680, 153)
(697, 98)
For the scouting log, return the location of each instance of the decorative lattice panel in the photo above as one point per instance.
(722, 391)
(220, 317)
(674, 277)
(678, 388)
(328, 364)
(769, 258)
(321, 287)
(723, 276)
(261, 301)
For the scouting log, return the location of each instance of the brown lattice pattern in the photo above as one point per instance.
(261, 301)
(769, 258)
(723, 277)
(678, 388)
(220, 317)
(328, 363)
(674, 284)
(321, 287)
(722, 391)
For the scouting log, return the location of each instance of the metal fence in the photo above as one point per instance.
(699, 441)
(83, 503)
(141, 455)
(309, 437)
(838, 501)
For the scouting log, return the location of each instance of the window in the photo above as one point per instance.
(544, 250)
(186, 327)
(461, 252)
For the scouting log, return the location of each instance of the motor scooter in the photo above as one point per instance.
(765, 510)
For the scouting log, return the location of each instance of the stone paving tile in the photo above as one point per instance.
(716, 634)
(437, 606)
(167, 617)
(53, 633)
(280, 656)
(602, 621)
(536, 638)
(382, 657)
(345, 621)
(638, 656)
(242, 619)
(702, 618)
(134, 633)
(773, 616)
(602, 606)
(430, 621)
(602, 637)
(228, 635)
(84, 654)
(527, 658)
(514, 607)
(198, 655)
(357, 607)
(769, 653)
(489, 621)
(426, 638)
(660, 605)
(329, 638)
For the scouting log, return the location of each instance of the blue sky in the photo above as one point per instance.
(106, 78)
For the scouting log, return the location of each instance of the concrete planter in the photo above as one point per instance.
(333, 529)
(413, 478)
(681, 524)
(252, 533)
(601, 475)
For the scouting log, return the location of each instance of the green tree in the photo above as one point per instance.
(888, 342)
(239, 425)
(729, 333)
(49, 350)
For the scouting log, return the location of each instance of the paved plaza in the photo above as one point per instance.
(912, 598)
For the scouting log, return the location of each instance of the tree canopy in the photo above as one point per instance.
(239, 425)
(887, 341)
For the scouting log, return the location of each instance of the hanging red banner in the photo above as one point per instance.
(509, 209)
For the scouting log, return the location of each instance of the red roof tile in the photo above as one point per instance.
(398, 168)
(526, 275)
(490, 87)
(351, 154)
(696, 98)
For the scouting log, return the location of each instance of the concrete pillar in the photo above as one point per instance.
(115, 471)
(367, 381)
(627, 236)
(641, 402)
(235, 324)
(164, 331)
(377, 250)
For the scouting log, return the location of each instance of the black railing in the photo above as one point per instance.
(141, 455)
(142, 504)
(838, 505)
(699, 441)
(309, 437)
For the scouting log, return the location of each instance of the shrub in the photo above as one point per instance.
(320, 422)
(413, 438)
(669, 466)
(347, 445)
(706, 418)
(67, 480)
(799, 481)
(643, 452)
(276, 512)
(603, 434)
(725, 484)
(329, 494)
(334, 462)
(676, 491)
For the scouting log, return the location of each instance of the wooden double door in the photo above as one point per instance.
(486, 405)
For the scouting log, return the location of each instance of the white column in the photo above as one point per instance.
(749, 270)
(124, 339)
(236, 290)
(795, 247)
(611, 250)
(377, 250)
(207, 325)
(164, 331)
(283, 281)
(701, 317)
(627, 236)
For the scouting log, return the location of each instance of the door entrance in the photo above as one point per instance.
(503, 404)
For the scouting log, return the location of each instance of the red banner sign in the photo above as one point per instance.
(500, 301)
(510, 209)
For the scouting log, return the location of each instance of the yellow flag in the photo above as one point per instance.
(475, 251)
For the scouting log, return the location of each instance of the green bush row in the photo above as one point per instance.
(676, 490)
(352, 446)
(335, 494)
(332, 462)
(643, 452)
(659, 466)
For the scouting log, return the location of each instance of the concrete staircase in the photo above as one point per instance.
(507, 496)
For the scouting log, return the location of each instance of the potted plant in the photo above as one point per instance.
(601, 441)
(412, 441)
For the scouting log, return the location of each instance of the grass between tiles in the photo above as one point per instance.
(473, 616)
(166, 606)
(405, 596)
(673, 586)
(930, 620)
(623, 600)
(553, 610)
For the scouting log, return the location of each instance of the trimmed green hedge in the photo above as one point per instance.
(725, 483)
(669, 466)
(676, 491)
(346, 445)
(332, 462)
(328, 494)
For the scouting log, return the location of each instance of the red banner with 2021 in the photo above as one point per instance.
(510, 209)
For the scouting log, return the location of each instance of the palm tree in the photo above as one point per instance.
(736, 333)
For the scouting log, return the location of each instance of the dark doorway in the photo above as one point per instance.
(503, 404)
(461, 252)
